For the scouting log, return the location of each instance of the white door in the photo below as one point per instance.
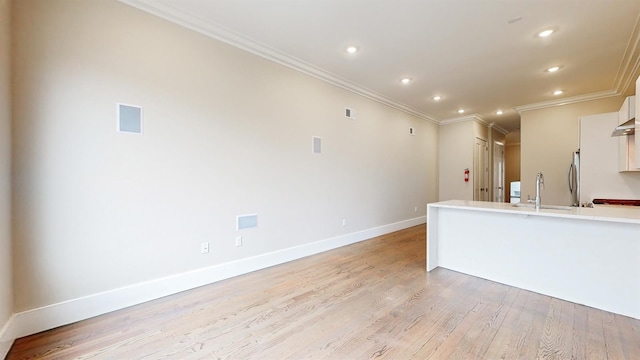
(480, 170)
(498, 172)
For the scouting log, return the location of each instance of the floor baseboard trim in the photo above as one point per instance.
(5, 341)
(5, 346)
(32, 321)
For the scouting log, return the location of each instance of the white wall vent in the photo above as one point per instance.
(129, 119)
(316, 145)
(350, 113)
(248, 221)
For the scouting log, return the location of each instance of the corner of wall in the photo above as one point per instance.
(6, 272)
(6, 339)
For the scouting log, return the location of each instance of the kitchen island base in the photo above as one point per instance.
(565, 254)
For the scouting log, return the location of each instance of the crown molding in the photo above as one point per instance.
(237, 40)
(472, 117)
(625, 78)
(630, 63)
(499, 128)
(477, 118)
(566, 101)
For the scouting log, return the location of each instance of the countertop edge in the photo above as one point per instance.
(507, 208)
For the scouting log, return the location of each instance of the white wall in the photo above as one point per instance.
(6, 287)
(225, 133)
(549, 136)
(599, 175)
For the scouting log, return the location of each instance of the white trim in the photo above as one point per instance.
(565, 101)
(5, 340)
(473, 117)
(235, 39)
(4, 348)
(630, 62)
(499, 128)
(48, 317)
(627, 68)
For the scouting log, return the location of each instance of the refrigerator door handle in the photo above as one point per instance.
(570, 178)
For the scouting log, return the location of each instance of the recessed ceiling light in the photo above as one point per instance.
(558, 92)
(461, 111)
(437, 98)
(545, 33)
(499, 112)
(352, 49)
(405, 81)
(553, 69)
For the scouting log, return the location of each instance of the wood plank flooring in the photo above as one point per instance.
(368, 300)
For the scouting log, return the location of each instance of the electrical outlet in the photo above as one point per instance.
(204, 247)
(415, 209)
(238, 240)
(344, 222)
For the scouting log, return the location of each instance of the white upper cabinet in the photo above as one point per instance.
(637, 136)
(627, 143)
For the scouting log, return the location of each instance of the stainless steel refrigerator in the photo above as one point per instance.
(574, 179)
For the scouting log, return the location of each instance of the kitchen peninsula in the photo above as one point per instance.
(589, 256)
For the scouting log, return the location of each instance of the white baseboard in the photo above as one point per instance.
(5, 346)
(48, 317)
(5, 341)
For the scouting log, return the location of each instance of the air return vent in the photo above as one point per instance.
(248, 221)
(350, 113)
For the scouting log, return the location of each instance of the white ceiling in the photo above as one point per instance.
(479, 55)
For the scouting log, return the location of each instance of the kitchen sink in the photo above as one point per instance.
(546, 207)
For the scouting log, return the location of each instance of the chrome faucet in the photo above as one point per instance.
(539, 185)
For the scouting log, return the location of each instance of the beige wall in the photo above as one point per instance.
(456, 143)
(6, 287)
(225, 133)
(548, 138)
(511, 167)
(455, 154)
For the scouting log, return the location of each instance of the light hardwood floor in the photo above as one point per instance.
(368, 300)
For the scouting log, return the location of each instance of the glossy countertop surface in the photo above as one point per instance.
(610, 213)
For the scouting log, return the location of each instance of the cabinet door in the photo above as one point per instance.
(636, 110)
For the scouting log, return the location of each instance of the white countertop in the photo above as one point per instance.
(623, 214)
